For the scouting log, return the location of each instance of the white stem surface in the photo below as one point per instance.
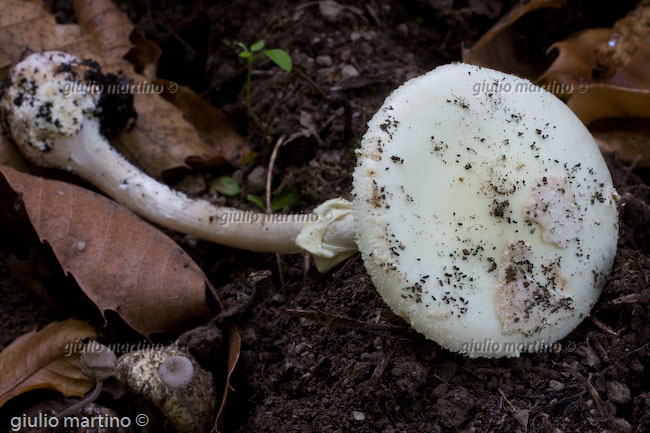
(89, 155)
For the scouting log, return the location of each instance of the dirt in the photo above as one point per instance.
(322, 352)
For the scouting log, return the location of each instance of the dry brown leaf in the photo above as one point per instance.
(162, 139)
(577, 58)
(121, 262)
(603, 101)
(144, 57)
(216, 129)
(496, 48)
(618, 118)
(26, 27)
(10, 155)
(234, 349)
(44, 360)
(109, 27)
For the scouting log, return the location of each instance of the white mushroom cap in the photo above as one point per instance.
(176, 371)
(45, 102)
(485, 213)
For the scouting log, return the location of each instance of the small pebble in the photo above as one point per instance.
(619, 425)
(324, 60)
(358, 416)
(349, 71)
(618, 392)
(329, 9)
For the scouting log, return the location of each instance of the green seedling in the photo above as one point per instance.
(225, 185)
(280, 201)
(278, 56)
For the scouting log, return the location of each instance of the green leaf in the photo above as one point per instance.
(242, 46)
(280, 58)
(245, 54)
(284, 198)
(258, 201)
(225, 185)
(257, 46)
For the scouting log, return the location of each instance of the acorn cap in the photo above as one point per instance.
(484, 211)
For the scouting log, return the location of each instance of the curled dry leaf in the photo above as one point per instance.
(121, 262)
(576, 61)
(617, 108)
(496, 48)
(162, 139)
(618, 118)
(43, 360)
(26, 27)
(216, 129)
(144, 57)
(234, 348)
(109, 27)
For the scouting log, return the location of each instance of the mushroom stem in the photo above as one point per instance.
(95, 160)
(57, 118)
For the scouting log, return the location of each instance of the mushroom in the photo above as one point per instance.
(176, 371)
(174, 382)
(54, 109)
(483, 210)
(487, 219)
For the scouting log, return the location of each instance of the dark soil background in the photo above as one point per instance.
(322, 353)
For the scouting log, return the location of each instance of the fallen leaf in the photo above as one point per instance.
(619, 120)
(234, 350)
(214, 127)
(144, 57)
(496, 49)
(577, 58)
(109, 27)
(44, 360)
(10, 155)
(120, 262)
(162, 140)
(602, 101)
(26, 28)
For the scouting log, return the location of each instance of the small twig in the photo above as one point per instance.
(379, 370)
(90, 398)
(590, 389)
(346, 265)
(626, 299)
(602, 326)
(514, 409)
(86, 401)
(638, 349)
(269, 209)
